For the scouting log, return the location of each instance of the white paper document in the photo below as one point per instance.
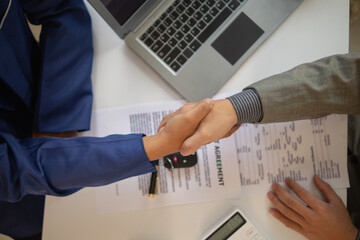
(268, 153)
(246, 163)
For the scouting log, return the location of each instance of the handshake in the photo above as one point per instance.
(192, 126)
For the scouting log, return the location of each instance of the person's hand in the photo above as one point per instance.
(182, 124)
(60, 134)
(319, 220)
(219, 123)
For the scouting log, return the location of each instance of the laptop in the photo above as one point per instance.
(195, 45)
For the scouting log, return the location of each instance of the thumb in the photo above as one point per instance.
(192, 144)
(325, 189)
(200, 110)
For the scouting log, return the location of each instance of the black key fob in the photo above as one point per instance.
(177, 160)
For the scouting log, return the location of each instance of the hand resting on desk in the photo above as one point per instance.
(319, 220)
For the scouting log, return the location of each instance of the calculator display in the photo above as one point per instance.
(228, 228)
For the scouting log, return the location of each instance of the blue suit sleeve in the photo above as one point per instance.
(64, 88)
(58, 166)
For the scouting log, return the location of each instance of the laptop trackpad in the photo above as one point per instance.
(237, 38)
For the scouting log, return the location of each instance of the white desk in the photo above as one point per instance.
(316, 29)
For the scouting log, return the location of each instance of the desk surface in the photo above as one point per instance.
(318, 28)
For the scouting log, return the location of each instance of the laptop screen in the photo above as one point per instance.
(122, 10)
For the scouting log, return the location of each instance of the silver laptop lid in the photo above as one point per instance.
(124, 15)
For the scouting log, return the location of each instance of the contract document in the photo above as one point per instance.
(248, 162)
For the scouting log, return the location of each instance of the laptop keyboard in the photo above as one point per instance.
(181, 30)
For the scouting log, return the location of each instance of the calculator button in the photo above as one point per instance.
(250, 233)
(256, 237)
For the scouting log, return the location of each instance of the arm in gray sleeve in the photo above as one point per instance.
(247, 106)
(329, 85)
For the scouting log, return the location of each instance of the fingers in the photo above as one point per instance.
(184, 108)
(202, 137)
(165, 120)
(304, 195)
(286, 221)
(232, 130)
(325, 189)
(200, 111)
(289, 206)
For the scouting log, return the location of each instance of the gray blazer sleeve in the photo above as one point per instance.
(312, 90)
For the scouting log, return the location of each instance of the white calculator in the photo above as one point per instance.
(235, 226)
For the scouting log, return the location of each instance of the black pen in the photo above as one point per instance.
(153, 180)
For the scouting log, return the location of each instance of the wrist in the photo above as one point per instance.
(155, 148)
(231, 112)
(54, 134)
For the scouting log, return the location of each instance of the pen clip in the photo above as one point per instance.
(171, 164)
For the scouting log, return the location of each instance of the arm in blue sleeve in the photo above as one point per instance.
(64, 88)
(58, 166)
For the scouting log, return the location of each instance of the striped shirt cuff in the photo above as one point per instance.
(247, 106)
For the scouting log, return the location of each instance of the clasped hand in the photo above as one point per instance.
(219, 122)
